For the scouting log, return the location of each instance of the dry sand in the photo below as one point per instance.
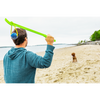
(1, 73)
(62, 70)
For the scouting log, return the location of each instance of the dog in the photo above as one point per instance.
(74, 57)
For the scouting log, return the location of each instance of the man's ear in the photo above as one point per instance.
(25, 39)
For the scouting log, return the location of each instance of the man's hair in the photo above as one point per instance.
(21, 36)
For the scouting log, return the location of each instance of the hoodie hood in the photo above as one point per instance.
(15, 52)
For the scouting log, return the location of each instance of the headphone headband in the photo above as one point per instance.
(14, 35)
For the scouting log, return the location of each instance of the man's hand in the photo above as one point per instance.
(49, 39)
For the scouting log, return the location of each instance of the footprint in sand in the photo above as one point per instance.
(56, 80)
(60, 71)
(46, 75)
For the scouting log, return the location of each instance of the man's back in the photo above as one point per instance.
(20, 65)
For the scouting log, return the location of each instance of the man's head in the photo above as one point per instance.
(22, 37)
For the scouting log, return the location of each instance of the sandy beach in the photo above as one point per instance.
(62, 70)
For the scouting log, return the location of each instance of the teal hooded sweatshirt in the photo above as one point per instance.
(20, 65)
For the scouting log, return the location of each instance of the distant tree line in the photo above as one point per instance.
(82, 41)
(95, 36)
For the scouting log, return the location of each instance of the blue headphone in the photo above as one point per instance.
(14, 36)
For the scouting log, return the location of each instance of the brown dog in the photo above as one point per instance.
(74, 57)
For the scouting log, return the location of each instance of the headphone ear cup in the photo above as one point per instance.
(14, 36)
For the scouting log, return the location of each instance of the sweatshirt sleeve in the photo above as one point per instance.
(38, 61)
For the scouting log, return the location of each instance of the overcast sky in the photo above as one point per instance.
(64, 29)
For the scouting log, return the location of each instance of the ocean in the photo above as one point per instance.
(35, 48)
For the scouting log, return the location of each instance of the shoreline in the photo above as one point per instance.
(39, 45)
(62, 70)
(42, 52)
(34, 49)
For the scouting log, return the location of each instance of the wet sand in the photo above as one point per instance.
(62, 70)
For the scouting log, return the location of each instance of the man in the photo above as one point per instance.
(20, 65)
